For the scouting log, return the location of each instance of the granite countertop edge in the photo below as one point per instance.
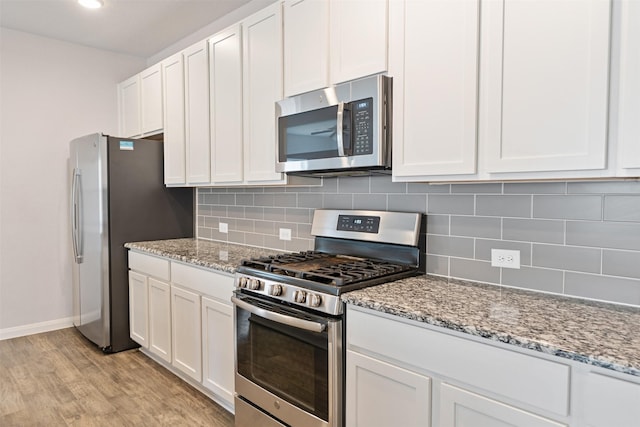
(215, 255)
(423, 315)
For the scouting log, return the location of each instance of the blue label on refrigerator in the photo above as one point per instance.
(126, 145)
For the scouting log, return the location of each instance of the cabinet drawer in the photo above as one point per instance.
(527, 379)
(151, 265)
(611, 402)
(206, 282)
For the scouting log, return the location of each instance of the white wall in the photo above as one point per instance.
(50, 93)
(209, 30)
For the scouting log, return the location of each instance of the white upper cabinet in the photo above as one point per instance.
(129, 107)
(196, 99)
(434, 63)
(628, 95)
(151, 100)
(140, 103)
(262, 83)
(225, 68)
(174, 132)
(306, 45)
(544, 85)
(358, 38)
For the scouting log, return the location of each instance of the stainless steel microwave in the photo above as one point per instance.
(344, 129)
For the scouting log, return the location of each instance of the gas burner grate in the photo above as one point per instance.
(335, 270)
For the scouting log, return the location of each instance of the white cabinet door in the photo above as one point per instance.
(628, 124)
(434, 64)
(129, 107)
(262, 82)
(186, 332)
(160, 319)
(225, 67)
(306, 45)
(151, 100)
(610, 402)
(358, 38)
(138, 309)
(544, 85)
(218, 348)
(174, 132)
(196, 98)
(381, 395)
(461, 408)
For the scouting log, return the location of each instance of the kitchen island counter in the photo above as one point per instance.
(219, 256)
(599, 334)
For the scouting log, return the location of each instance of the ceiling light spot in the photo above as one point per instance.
(91, 4)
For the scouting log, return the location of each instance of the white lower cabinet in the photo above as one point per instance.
(160, 319)
(183, 318)
(380, 394)
(462, 408)
(217, 348)
(185, 332)
(406, 373)
(138, 309)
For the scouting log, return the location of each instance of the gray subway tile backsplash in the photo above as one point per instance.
(621, 263)
(533, 230)
(603, 288)
(613, 235)
(568, 207)
(438, 224)
(575, 238)
(450, 246)
(566, 257)
(622, 208)
(469, 269)
(505, 206)
(476, 226)
(450, 204)
(537, 279)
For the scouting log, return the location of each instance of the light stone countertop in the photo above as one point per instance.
(219, 256)
(599, 334)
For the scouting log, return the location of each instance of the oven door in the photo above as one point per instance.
(288, 362)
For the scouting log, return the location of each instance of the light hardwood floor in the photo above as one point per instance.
(61, 379)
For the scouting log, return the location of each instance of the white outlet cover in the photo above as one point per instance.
(285, 234)
(505, 258)
(224, 227)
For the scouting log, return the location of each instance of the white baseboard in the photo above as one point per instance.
(35, 328)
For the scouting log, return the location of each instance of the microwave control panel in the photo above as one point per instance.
(362, 113)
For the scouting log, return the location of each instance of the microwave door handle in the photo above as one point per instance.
(307, 325)
(339, 134)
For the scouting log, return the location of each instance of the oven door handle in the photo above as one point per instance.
(279, 318)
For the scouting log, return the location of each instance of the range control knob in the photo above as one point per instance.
(275, 290)
(254, 284)
(315, 300)
(300, 296)
(242, 282)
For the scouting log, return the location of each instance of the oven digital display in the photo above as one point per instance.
(365, 224)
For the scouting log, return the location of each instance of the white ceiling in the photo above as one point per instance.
(136, 27)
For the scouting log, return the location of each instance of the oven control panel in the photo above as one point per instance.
(292, 294)
(365, 224)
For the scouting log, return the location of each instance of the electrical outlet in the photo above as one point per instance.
(285, 234)
(224, 227)
(505, 258)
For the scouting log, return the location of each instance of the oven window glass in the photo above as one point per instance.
(289, 362)
(313, 134)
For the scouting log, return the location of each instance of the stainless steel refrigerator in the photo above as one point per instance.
(117, 196)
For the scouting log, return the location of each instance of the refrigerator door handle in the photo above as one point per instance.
(76, 222)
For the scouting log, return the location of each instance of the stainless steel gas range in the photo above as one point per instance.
(289, 319)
